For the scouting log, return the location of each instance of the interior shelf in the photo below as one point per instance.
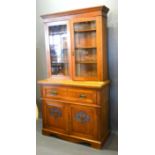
(86, 62)
(85, 30)
(60, 62)
(58, 33)
(85, 47)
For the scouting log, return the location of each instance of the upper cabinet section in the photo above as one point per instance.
(76, 44)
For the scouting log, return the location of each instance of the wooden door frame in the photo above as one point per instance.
(98, 20)
(48, 60)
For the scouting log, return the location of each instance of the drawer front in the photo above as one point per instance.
(83, 122)
(54, 92)
(55, 116)
(82, 95)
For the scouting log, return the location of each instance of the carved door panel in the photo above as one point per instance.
(55, 116)
(83, 121)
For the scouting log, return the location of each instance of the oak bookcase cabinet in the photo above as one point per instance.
(75, 95)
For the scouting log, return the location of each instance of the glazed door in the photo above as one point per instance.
(85, 48)
(57, 45)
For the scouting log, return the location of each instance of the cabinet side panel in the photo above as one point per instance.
(104, 43)
(105, 111)
(102, 48)
(99, 46)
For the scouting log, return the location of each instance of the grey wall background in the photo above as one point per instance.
(50, 6)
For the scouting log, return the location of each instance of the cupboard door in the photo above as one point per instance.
(85, 49)
(57, 45)
(83, 121)
(55, 116)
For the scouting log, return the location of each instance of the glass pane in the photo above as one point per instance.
(85, 26)
(85, 39)
(85, 55)
(85, 70)
(85, 49)
(58, 49)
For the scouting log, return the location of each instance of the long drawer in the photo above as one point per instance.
(70, 94)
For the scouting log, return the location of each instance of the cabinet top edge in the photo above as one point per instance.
(87, 84)
(103, 9)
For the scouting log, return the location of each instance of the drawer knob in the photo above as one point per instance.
(82, 117)
(54, 92)
(82, 96)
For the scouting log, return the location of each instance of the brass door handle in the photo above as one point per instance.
(82, 96)
(54, 92)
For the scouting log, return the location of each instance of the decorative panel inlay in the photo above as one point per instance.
(82, 117)
(55, 112)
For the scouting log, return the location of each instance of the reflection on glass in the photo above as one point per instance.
(58, 49)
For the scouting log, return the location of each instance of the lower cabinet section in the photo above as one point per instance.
(81, 121)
